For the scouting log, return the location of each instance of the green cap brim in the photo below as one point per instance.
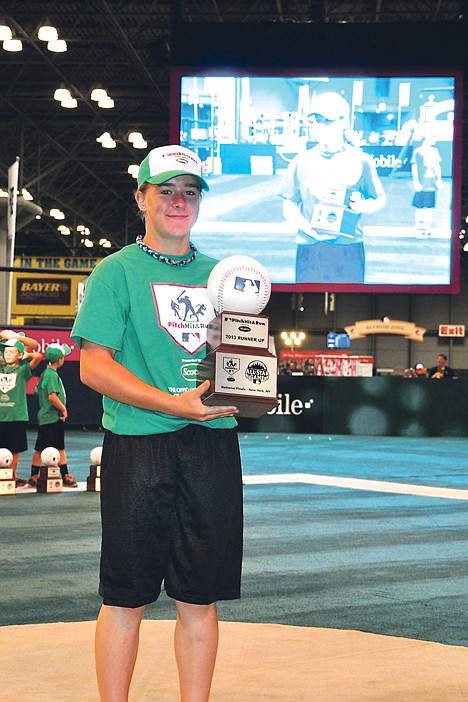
(167, 175)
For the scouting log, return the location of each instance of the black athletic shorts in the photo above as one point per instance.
(51, 435)
(13, 436)
(171, 509)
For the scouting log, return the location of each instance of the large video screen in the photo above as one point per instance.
(334, 181)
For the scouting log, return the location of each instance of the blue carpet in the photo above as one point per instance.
(314, 556)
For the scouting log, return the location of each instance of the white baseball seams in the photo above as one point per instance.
(223, 292)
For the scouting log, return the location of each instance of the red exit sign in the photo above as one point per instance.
(451, 330)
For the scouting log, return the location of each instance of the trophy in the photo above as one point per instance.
(93, 481)
(239, 364)
(7, 482)
(50, 478)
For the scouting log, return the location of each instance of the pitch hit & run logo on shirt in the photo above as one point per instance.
(7, 384)
(184, 312)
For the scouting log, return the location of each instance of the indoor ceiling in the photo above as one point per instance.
(124, 47)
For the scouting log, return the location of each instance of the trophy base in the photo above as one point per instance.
(50, 485)
(247, 407)
(93, 481)
(50, 479)
(93, 484)
(241, 377)
(7, 487)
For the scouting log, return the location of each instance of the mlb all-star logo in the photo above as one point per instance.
(7, 382)
(184, 313)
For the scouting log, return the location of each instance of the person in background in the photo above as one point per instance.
(15, 371)
(52, 414)
(427, 180)
(441, 370)
(420, 370)
(326, 190)
(171, 498)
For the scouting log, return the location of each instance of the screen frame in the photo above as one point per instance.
(358, 71)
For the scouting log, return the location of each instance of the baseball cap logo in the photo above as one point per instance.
(166, 162)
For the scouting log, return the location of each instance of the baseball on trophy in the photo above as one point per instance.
(50, 456)
(239, 284)
(95, 455)
(6, 458)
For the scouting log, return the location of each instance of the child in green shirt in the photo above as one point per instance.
(52, 414)
(14, 376)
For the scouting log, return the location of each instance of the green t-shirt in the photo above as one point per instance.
(155, 316)
(13, 402)
(49, 382)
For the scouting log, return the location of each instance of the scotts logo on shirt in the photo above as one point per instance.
(189, 371)
(183, 312)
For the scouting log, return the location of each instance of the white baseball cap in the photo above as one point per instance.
(332, 106)
(167, 162)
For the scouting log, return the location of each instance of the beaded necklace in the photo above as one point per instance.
(166, 259)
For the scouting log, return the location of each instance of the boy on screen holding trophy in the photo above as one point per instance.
(326, 189)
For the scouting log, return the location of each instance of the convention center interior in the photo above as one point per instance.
(331, 142)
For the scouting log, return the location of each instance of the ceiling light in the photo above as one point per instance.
(137, 140)
(105, 243)
(80, 228)
(62, 94)
(47, 33)
(3, 193)
(5, 33)
(106, 104)
(12, 45)
(133, 170)
(106, 141)
(56, 213)
(26, 194)
(88, 243)
(98, 94)
(58, 46)
(66, 231)
(134, 136)
(69, 102)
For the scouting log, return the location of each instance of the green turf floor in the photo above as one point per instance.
(314, 556)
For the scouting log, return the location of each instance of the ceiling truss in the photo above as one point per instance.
(124, 46)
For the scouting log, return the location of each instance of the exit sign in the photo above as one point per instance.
(451, 330)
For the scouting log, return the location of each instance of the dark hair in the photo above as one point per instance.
(443, 356)
(142, 188)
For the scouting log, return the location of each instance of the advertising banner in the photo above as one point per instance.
(47, 291)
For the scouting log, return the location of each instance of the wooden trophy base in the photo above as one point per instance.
(7, 483)
(93, 481)
(244, 377)
(50, 479)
